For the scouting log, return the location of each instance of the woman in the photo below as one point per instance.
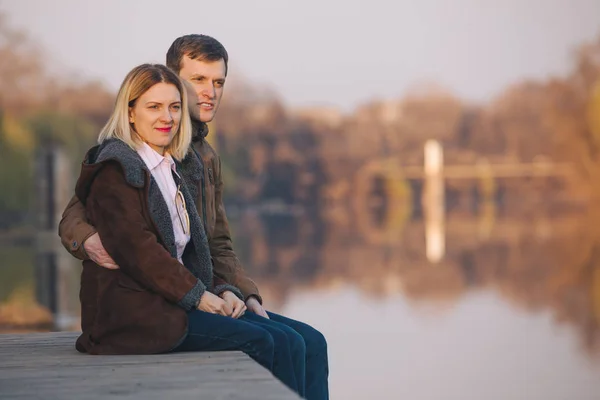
(136, 185)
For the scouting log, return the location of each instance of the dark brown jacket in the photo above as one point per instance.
(140, 308)
(74, 227)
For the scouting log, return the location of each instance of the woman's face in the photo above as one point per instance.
(156, 115)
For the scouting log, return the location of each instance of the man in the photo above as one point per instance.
(201, 61)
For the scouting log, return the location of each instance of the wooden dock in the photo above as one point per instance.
(47, 366)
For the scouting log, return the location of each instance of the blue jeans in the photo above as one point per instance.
(293, 351)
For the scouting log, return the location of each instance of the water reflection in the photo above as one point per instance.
(511, 311)
(535, 265)
(18, 309)
(482, 348)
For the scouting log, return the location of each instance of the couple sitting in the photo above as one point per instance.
(159, 273)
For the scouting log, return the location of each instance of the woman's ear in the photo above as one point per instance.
(131, 119)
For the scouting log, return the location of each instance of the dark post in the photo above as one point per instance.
(54, 266)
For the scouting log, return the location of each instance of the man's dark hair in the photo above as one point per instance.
(196, 47)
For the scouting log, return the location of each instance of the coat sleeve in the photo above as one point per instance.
(115, 208)
(74, 229)
(225, 262)
(220, 286)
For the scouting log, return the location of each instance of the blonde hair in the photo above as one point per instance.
(137, 82)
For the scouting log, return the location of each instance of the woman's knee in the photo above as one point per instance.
(260, 346)
(262, 339)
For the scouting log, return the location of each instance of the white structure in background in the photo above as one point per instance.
(433, 201)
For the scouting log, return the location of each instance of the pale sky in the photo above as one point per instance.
(337, 52)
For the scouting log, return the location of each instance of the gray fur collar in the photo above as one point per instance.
(135, 169)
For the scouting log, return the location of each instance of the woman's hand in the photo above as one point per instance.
(237, 305)
(213, 304)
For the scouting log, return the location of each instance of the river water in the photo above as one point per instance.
(509, 310)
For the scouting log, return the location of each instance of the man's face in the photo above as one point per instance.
(208, 80)
(192, 100)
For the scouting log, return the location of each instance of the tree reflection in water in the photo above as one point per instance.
(538, 264)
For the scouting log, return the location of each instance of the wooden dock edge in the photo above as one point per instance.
(46, 365)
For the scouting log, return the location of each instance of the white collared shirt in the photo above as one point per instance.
(162, 169)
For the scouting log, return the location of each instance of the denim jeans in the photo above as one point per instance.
(317, 364)
(293, 351)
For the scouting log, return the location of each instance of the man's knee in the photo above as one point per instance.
(285, 336)
(297, 342)
(315, 341)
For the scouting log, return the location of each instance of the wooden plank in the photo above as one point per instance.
(47, 366)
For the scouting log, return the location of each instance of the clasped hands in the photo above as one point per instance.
(229, 305)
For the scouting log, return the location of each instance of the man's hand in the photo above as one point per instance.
(96, 252)
(213, 304)
(254, 306)
(237, 305)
